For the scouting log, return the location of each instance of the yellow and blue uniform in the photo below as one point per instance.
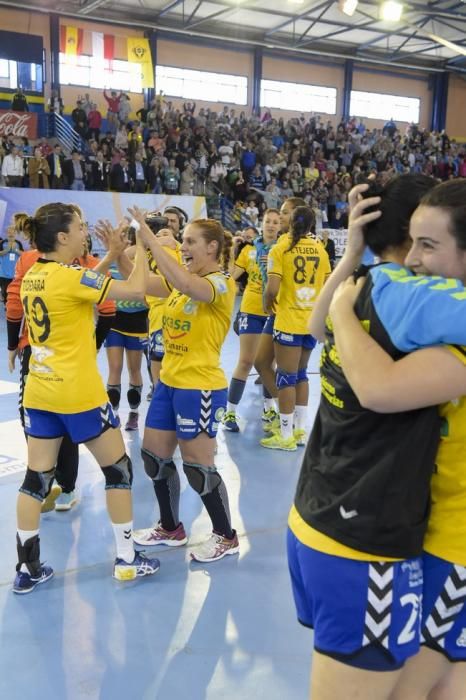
(362, 499)
(444, 600)
(252, 316)
(64, 391)
(303, 271)
(191, 394)
(156, 309)
(129, 328)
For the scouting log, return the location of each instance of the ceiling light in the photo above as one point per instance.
(391, 11)
(348, 6)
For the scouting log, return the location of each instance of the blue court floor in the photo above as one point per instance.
(225, 630)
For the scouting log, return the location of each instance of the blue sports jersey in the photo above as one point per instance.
(416, 310)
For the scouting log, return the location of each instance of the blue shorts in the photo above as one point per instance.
(444, 608)
(80, 427)
(364, 614)
(115, 339)
(296, 340)
(186, 411)
(156, 348)
(251, 324)
(268, 325)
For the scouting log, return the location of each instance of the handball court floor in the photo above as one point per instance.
(191, 632)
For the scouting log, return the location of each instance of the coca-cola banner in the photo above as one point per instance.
(18, 123)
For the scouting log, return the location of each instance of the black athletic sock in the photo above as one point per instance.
(67, 465)
(217, 506)
(167, 492)
(236, 390)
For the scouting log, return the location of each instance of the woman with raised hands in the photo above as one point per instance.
(64, 393)
(190, 398)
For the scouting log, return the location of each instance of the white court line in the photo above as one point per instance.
(13, 449)
(8, 387)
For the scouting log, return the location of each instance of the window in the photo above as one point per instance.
(197, 84)
(100, 73)
(298, 97)
(375, 105)
(14, 74)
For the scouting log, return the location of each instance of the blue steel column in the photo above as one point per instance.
(347, 87)
(55, 52)
(256, 81)
(439, 101)
(149, 93)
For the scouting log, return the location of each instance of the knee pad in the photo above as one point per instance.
(302, 375)
(118, 475)
(155, 467)
(202, 479)
(114, 393)
(285, 379)
(37, 484)
(134, 396)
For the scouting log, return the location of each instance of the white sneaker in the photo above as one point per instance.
(215, 548)
(66, 501)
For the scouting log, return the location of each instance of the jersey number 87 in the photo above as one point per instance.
(300, 268)
(38, 320)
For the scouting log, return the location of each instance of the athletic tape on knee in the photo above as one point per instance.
(119, 475)
(134, 396)
(155, 467)
(202, 479)
(285, 379)
(302, 375)
(37, 484)
(114, 394)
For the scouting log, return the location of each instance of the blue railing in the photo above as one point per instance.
(55, 126)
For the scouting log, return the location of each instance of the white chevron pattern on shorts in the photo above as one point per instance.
(206, 410)
(448, 605)
(379, 604)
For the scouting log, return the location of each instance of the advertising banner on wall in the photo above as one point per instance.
(95, 205)
(18, 123)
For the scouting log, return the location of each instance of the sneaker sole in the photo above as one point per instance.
(132, 575)
(277, 447)
(232, 550)
(65, 506)
(23, 591)
(49, 502)
(166, 543)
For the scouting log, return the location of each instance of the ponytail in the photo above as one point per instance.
(302, 222)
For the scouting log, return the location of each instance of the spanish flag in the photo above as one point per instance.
(139, 52)
(71, 40)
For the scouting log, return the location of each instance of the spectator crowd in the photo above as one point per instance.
(256, 162)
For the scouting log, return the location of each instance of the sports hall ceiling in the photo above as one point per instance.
(302, 26)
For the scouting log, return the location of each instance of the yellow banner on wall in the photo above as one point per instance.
(71, 41)
(139, 52)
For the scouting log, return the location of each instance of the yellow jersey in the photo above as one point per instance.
(446, 529)
(252, 301)
(58, 302)
(193, 334)
(157, 304)
(303, 271)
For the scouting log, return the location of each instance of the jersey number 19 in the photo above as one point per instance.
(38, 320)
